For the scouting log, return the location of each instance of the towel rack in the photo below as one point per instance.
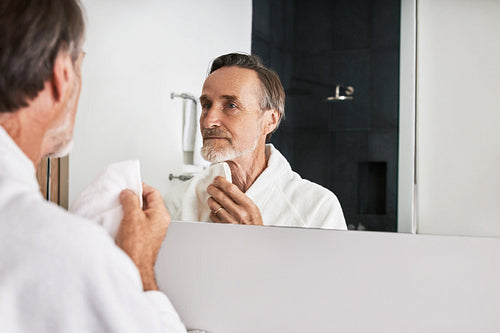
(180, 177)
(184, 96)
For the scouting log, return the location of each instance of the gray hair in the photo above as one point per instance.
(32, 34)
(273, 94)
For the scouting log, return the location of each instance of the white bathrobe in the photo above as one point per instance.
(283, 197)
(62, 273)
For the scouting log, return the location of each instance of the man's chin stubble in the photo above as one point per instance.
(217, 155)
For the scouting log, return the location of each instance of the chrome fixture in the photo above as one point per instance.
(184, 96)
(182, 178)
(341, 94)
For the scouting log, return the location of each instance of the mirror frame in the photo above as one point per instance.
(407, 182)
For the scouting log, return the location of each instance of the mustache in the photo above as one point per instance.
(217, 132)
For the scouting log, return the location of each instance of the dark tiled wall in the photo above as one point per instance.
(349, 147)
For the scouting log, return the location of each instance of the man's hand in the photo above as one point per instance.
(142, 231)
(230, 205)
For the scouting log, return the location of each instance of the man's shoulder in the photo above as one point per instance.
(290, 181)
(314, 204)
(49, 241)
(48, 229)
(298, 188)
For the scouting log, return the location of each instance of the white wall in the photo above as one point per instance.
(458, 117)
(138, 52)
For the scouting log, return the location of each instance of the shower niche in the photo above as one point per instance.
(339, 64)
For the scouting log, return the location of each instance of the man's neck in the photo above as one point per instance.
(26, 133)
(245, 169)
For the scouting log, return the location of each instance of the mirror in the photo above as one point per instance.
(133, 65)
(153, 48)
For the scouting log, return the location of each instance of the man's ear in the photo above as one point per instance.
(271, 120)
(62, 77)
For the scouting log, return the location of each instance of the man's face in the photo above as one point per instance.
(62, 134)
(231, 121)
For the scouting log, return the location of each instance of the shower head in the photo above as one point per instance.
(341, 94)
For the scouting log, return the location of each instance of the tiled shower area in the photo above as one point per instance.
(347, 145)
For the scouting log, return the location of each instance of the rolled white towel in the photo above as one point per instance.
(188, 201)
(100, 202)
(198, 160)
(189, 125)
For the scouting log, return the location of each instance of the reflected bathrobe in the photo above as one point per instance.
(282, 196)
(62, 273)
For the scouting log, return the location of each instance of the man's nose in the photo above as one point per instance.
(210, 118)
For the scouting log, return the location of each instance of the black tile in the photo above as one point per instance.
(261, 18)
(344, 67)
(287, 75)
(372, 187)
(352, 69)
(313, 26)
(347, 149)
(261, 48)
(289, 12)
(277, 61)
(385, 25)
(304, 107)
(284, 140)
(278, 24)
(384, 110)
(383, 146)
(310, 154)
(351, 24)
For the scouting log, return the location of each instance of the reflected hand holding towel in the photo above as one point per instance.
(99, 201)
(188, 202)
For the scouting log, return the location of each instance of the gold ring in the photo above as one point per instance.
(217, 210)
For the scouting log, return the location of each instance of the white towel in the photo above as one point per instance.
(100, 201)
(189, 125)
(196, 195)
(198, 143)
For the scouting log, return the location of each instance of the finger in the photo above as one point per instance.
(214, 207)
(147, 188)
(212, 204)
(231, 190)
(217, 212)
(225, 217)
(244, 211)
(155, 210)
(215, 218)
(222, 199)
(152, 197)
(130, 202)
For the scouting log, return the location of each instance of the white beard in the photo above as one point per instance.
(64, 150)
(62, 136)
(216, 155)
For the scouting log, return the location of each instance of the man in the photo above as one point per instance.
(58, 272)
(242, 105)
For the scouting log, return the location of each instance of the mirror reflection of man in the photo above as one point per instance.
(59, 272)
(242, 104)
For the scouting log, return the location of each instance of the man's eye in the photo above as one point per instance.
(232, 106)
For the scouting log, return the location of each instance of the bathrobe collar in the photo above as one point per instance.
(276, 164)
(15, 163)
